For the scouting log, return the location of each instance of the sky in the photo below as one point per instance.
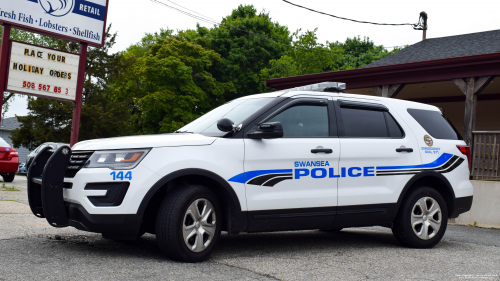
(132, 18)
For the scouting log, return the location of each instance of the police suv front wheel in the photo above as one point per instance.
(422, 219)
(188, 223)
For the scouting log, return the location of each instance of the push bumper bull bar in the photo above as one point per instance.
(45, 185)
(45, 195)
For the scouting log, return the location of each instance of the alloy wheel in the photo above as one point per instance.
(198, 227)
(426, 218)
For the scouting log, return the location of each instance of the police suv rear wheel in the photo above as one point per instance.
(422, 219)
(187, 225)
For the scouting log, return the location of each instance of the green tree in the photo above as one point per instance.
(304, 56)
(172, 84)
(247, 42)
(50, 120)
(359, 52)
(307, 56)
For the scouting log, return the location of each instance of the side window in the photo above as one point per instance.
(304, 121)
(362, 123)
(366, 123)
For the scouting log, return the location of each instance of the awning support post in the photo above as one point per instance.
(388, 91)
(471, 87)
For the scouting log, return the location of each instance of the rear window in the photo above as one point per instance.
(4, 143)
(435, 124)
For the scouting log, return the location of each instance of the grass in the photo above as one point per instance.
(9, 200)
(13, 188)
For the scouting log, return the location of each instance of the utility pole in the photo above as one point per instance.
(423, 15)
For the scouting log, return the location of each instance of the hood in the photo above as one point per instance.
(144, 142)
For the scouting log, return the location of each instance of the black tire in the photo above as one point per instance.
(331, 230)
(402, 225)
(171, 219)
(9, 177)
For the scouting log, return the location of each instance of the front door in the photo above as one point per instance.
(290, 181)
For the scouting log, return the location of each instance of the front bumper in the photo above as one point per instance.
(66, 201)
(112, 226)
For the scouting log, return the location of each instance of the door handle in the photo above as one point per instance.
(404, 149)
(318, 150)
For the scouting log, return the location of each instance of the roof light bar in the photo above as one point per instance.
(321, 87)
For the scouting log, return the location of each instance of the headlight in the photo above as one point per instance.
(117, 159)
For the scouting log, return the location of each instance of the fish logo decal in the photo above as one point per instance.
(57, 8)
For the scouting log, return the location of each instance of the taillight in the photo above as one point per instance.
(12, 155)
(466, 151)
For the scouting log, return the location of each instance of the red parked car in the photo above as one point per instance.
(9, 161)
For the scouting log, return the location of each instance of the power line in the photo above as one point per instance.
(277, 40)
(416, 26)
(184, 12)
(210, 19)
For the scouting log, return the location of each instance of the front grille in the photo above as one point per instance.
(76, 162)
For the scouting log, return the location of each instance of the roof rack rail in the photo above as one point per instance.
(321, 87)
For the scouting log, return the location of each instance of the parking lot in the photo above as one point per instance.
(31, 249)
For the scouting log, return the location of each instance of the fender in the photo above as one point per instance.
(186, 172)
(420, 175)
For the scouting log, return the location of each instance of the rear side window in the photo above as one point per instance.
(360, 123)
(435, 124)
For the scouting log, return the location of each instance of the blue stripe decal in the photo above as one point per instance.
(35, 1)
(440, 161)
(244, 177)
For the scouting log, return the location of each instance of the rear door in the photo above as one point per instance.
(375, 143)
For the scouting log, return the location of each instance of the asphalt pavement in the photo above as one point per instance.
(30, 249)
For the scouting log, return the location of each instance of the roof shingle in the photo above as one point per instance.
(10, 124)
(445, 47)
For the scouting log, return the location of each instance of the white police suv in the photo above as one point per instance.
(306, 158)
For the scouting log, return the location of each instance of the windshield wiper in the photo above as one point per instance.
(183, 132)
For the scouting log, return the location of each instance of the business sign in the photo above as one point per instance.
(42, 72)
(76, 20)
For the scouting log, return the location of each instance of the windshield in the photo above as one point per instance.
(237, 111)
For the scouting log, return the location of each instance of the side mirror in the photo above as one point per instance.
(225, 125)
(272, 130)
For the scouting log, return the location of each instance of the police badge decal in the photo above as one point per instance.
(428, 140)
